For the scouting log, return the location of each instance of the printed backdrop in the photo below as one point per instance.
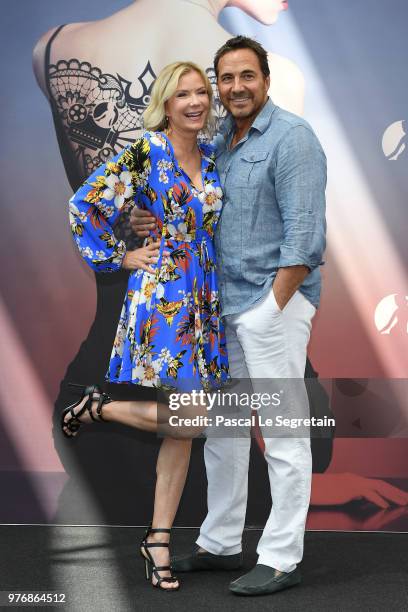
(353, 60)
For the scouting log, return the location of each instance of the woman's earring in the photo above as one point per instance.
(167, 128)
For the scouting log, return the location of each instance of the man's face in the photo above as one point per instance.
(242, 86)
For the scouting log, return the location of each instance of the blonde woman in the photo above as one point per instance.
(169, 334)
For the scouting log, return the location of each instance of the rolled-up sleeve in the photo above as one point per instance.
(300, 183)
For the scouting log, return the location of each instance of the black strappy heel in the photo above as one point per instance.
(74, 423)
(150, 567)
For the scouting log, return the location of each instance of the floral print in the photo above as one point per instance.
(211, 198)
(170, 333)
(118, 189)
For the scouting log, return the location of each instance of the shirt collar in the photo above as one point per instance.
(260, 123)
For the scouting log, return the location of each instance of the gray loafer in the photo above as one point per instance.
(261, 580)
(195, 561)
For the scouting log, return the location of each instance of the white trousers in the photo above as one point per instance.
(263, 342)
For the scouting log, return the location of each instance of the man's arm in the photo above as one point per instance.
(300, 182)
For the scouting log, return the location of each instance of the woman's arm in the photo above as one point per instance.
(121, 182)
(93, 210)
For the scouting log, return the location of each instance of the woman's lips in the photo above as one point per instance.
(194, 116)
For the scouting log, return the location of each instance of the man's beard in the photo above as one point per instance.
(245, 114)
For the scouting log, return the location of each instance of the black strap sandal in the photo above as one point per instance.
(150, 567)
(71, 426)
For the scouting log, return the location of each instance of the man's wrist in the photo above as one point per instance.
(287, 281)
(282, 297)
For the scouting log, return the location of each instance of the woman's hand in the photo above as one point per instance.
(142, 258)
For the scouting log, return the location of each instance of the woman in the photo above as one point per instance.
(169, 333)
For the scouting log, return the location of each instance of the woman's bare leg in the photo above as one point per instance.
(146, 415)
(171, 470)
(172, 462)
(138, 414)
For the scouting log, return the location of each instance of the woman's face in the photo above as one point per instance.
(265, 11)
(188, 107)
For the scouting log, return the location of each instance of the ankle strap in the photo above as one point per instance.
(159, 530)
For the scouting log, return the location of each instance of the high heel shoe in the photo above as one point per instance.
(74, 422)
(151, 567)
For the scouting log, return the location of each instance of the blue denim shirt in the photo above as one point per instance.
(273, 214)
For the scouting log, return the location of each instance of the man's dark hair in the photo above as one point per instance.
(243, 42)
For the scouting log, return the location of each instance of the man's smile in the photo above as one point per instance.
(238, 100)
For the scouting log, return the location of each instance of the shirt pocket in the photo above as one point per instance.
(253, 167)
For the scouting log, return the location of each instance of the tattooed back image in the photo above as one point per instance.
(98, 75)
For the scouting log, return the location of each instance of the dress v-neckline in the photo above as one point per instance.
(193, 186)
(180, 167)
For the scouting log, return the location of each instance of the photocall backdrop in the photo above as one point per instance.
(352, 59)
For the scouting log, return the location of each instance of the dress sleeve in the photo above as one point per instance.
(95, 207)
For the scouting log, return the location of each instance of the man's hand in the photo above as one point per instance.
(286, 282)
(141, 222)
(142, 258)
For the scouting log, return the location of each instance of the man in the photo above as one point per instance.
(269, 241)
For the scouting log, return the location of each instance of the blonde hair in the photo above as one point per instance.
(154, 117)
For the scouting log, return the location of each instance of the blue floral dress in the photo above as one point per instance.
(170, 333)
